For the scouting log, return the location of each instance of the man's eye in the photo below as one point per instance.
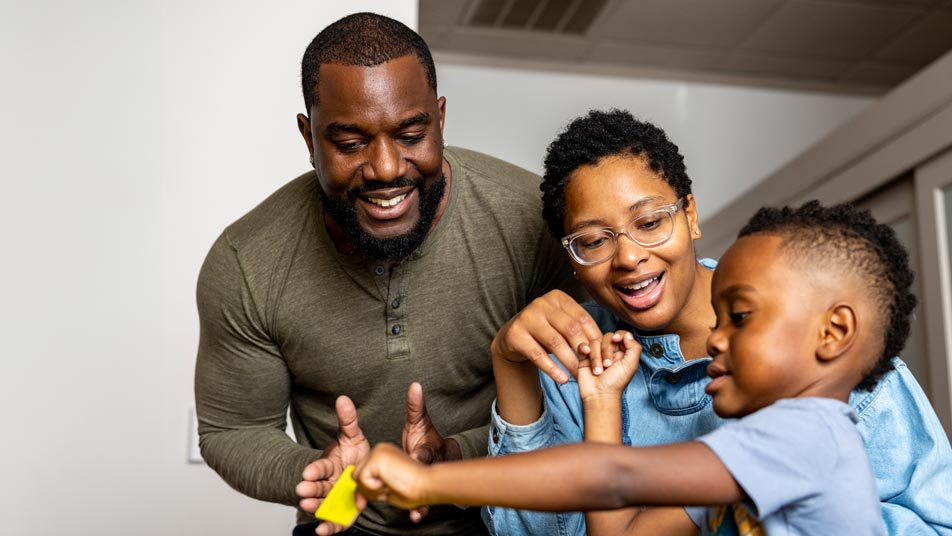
(347, 146)
(410, 139)
(738, 318)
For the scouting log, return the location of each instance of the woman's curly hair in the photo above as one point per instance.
(600, 134)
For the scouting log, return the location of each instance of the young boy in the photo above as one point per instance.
(810, 303)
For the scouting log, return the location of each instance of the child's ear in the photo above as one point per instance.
(838, 332)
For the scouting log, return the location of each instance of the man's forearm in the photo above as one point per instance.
(262, 463)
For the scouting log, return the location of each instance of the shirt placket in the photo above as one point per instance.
(389, 281)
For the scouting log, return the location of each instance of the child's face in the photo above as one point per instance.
(768, 321)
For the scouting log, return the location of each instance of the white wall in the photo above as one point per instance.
(731, 137)
(131, 134)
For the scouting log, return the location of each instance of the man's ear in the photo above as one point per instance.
(838, 332)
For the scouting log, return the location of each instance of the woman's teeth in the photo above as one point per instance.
(641, 285)
(387, 203)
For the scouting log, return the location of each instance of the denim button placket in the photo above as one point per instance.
(656, 350)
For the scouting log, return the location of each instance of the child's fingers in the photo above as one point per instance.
(610, 348)
(583, 349)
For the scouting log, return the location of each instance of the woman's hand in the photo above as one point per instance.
(552, 324)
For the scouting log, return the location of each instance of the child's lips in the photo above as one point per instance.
(718, 375)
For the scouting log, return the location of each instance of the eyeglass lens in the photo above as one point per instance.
(647, 230)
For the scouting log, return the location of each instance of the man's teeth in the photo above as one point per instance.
(387, 203)
(643, 284)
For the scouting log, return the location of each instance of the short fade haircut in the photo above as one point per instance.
(363, 39)
(602, 134)
(853, 241)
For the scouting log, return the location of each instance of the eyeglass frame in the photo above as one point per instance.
(671, 209)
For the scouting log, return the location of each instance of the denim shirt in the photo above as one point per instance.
(665, 403)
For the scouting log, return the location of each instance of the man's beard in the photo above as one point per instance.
(344, 213)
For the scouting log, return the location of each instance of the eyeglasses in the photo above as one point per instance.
(647, 230)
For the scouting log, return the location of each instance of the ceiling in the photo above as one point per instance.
(850, 46)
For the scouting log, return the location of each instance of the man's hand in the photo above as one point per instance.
(422, 442)
(351, 448)
(551, 324)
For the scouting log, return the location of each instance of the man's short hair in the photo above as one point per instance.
(364, 39)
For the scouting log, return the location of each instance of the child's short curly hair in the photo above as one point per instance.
(857, 244)
(600, 134)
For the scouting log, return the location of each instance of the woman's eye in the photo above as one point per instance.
(738, 318)
(648, 224)
(594, 242)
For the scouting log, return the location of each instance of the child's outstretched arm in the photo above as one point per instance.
(581, 476)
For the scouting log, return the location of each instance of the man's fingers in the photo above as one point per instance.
(416, 408)
(418, 513)
(347, 418)
(319, 470)
(309, 505)
(327, 528)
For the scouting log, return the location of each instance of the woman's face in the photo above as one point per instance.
(648, 287)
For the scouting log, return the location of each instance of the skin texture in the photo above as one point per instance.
(376, 127)
(375, 133)
(756, 360)
(762, 347)
(608, 194)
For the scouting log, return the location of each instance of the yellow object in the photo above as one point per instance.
(340, 506)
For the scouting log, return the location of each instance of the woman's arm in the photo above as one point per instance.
(551, 324)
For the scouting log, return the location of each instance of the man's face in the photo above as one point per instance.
(376, 134)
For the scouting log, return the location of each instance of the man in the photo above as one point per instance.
(393, 262)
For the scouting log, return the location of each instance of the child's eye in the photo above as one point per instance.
(738, 318)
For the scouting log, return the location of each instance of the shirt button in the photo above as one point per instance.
(672, 377)
(379, 270)
(395, 329)
(656, 350)
(395, 303)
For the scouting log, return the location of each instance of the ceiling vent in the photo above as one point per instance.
(552, 16)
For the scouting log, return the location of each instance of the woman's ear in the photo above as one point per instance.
(690, 213)
(838, 332)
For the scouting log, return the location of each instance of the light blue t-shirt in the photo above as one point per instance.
(802, 463)
(665, 403)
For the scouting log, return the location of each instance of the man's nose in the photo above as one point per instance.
(387, 162)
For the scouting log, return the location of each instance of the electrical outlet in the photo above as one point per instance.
(194, 453)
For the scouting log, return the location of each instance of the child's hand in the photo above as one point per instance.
(388, 474)
(607, 365)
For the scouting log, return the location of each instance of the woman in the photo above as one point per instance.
(616, 191)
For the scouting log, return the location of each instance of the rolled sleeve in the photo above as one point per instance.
(507, 438)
